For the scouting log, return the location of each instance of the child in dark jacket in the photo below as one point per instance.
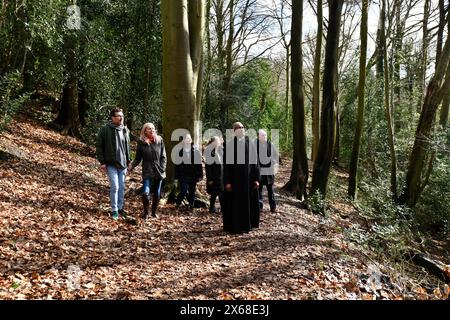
(188, 172)
(214, 172)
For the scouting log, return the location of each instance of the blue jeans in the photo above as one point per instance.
(116, 178)
(152, 184)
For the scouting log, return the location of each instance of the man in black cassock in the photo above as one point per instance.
(241, 183)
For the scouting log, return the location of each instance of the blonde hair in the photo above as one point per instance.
(145, 127)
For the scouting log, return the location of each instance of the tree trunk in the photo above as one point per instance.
(83, 102)
(322, 165)
(196, 14)
(224, 102)
(423, 54)
(28, 70)
(288, 87)
(353, 174)
(337, 136)
(436, 90)
(206, 97)
(299, 173)
(316, 84)
(183, 25)
(441, 26)
(396, 48)
(69, 113)
(443, 117)
(148, 49)
(387, 106)
(379, 46)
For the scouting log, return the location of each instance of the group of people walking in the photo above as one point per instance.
(236, 171)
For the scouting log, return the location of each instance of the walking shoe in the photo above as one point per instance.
(115, 215)
(212, 211)
(123, 213)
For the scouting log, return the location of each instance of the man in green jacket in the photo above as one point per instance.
(113, 153)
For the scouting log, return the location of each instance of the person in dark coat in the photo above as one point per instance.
(214, 172)
(189, 172)
(113, 153)
(241, 181)
(152, 153)
(267, 159)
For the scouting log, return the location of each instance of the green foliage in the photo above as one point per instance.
(432, 214)
(391, 225)
(250, 91)
(374, 199)
(122, 42)
(30, 38)
(10, 98)
(119, 56)
(118, 52)
(317, 203)
(357, 235)
(348, 101)
(254, 100)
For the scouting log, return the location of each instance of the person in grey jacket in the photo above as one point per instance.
(267, 159)
(152, 153)
(113, 153)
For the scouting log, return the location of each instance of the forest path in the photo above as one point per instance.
(58, 241)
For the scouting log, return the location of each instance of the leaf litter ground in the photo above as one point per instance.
(57, 240)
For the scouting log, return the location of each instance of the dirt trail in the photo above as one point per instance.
(58, 242)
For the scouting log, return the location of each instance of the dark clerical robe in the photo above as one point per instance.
(241, 170)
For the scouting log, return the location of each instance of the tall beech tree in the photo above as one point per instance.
(299, 173)
(183, 25)
(316, 83)
(387, 105)
(322, 165)
(352, 180)
(423, 54)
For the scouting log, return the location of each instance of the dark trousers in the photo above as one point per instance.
(189, 188)
(270, 195)
(212, 202)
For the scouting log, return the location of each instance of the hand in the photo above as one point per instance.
(256, 184)
(103, 167)
(210, 183)
(228, 187)
(130, 167)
